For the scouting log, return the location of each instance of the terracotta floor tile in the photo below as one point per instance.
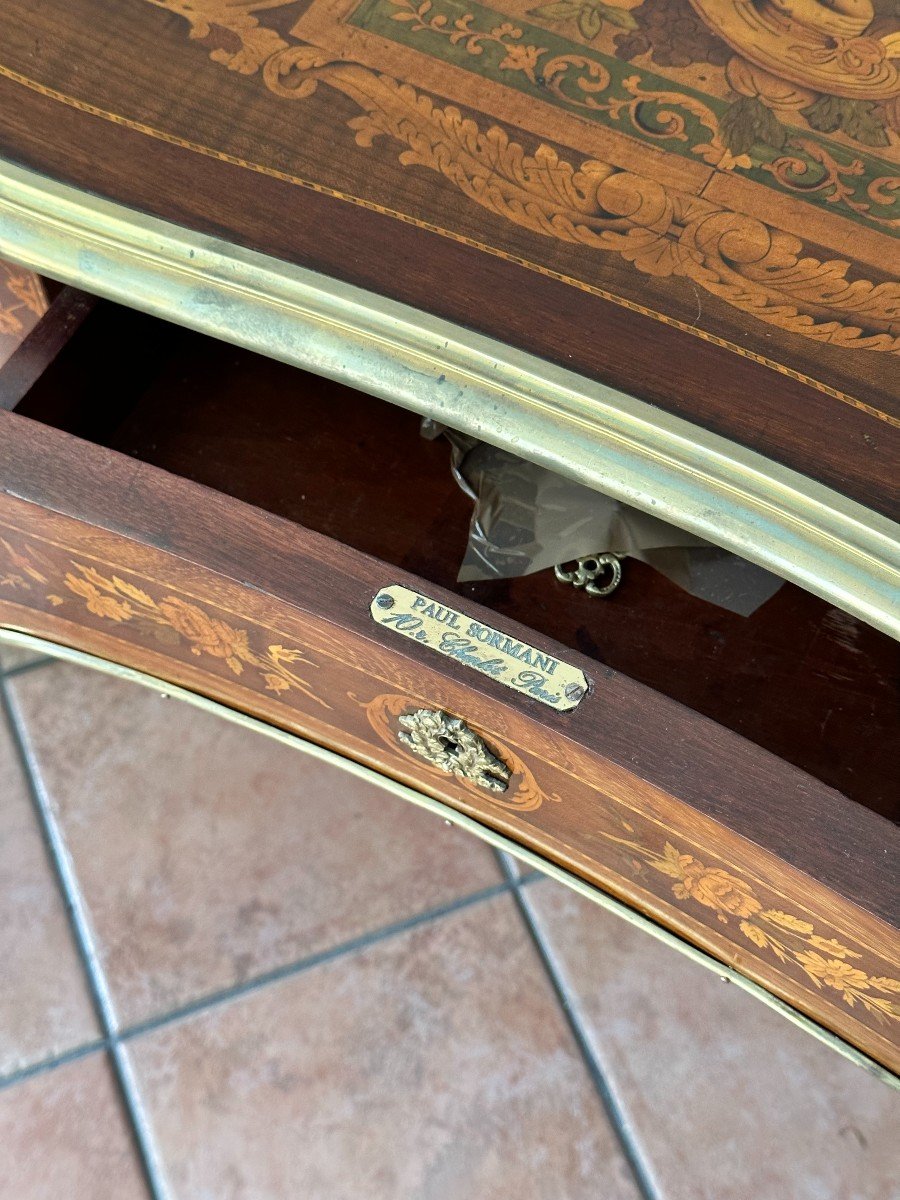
(12, 657)
(434, 1065)
(44, 1004)
(207, 853)
(63, 1137)
(729, 1100)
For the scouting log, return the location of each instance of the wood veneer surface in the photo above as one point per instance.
(800, 678)
(305, 163)
(675, 815)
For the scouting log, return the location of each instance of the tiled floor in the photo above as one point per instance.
(231, 973)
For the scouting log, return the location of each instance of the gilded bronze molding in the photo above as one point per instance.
(656, 229)
(608, 440)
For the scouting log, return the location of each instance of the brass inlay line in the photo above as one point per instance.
(323, 189)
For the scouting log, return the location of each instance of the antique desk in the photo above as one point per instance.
(650, 245)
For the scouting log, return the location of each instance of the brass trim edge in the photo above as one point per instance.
(737, 498)
(498, 841)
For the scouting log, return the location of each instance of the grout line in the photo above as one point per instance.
(531, 876)
(614, 1114)
(259, 981)
(50, 1064)
(23, 668)
(299, 966)
(97, 987)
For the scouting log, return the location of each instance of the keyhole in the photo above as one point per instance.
(451, 746)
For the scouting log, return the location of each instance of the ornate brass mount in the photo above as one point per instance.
(588, 570)
(450, 745)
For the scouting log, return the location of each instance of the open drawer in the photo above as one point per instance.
(288, 547)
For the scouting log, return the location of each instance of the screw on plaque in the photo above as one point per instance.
(574, 691)
(384, 601)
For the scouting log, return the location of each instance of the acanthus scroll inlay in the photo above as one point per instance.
(660, 229)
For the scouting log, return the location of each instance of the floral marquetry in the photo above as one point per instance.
(656, 227)
(170, 619)
(347, 683)
(779, 932)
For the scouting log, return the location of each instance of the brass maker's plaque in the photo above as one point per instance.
(481, 647)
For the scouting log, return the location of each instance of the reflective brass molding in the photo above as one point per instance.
(601, 437)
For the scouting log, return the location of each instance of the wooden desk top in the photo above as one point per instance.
(693, 202)
(647, 244)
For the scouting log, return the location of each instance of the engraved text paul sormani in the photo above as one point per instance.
(479, 646)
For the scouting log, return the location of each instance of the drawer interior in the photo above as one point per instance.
(812, 684)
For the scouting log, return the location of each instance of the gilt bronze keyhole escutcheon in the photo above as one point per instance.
(450, 745)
